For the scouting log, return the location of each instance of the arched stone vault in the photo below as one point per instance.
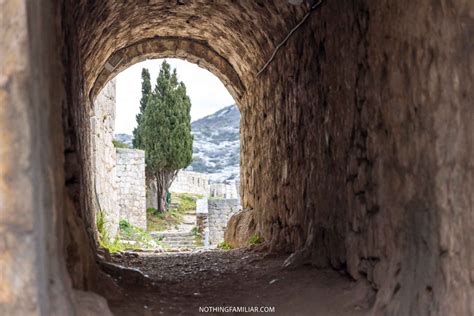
(239, 35)
(198, 52)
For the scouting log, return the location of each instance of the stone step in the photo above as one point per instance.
(178, 236)
(177, 240)
(180, 245)
(170, 234)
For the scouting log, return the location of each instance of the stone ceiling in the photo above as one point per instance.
(233, 39)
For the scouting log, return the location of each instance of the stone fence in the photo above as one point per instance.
(219, 213)
(225, 190)
(191, 182)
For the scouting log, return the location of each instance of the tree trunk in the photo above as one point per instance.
(163, 183)
(151, 193)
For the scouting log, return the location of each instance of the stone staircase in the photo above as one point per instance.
(182, 237)
(176, 239)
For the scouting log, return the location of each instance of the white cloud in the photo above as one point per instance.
(206, 91)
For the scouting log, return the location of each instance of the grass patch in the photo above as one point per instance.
(255, 240)
(104, 240)
(224, 245)
(130, 232)
(119, 144)
(197, 237)
(186, 202)
(160, 221)
(127, 231)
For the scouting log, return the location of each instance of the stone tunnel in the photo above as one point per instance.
(357, 137)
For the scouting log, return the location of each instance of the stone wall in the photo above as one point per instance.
(131, 186)
(219, 212)
(191, 182)
(33, 198)
(225, 190)
(104, 157)
(361, 159)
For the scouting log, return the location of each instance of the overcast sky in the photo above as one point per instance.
(206, 91)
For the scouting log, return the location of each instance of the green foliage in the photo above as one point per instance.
(166, 124)
(224, 246)
(115, 245)
(159, 221)
(124, 225)
(127, 231)
(164, 128)
(104, 240)
(186, 202)
(198, 241)
(118, 144)
(100, 224)
(146, 95)
(255, 240)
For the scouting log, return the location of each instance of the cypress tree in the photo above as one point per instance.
(146, 94)
(165, 131)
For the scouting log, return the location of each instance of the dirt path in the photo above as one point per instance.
(178, 284)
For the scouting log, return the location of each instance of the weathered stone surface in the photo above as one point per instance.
(105, 160)
(362, 138)
(90, 304)
(225, 190)
(219, 212)
(131, 192)
(33, 278)
(241, 226)
(190, 182)
(161, 47)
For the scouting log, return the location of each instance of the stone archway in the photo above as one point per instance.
(357, 138)
(197, 52)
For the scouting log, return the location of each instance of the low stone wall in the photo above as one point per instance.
(191, 182)
(130, 171)
(219, 213)
(103, 153)
(225, 190)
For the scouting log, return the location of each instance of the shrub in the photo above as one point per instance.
(224, 245)
(255, 240)
(124, 225)
(100, 223)
(119, 144)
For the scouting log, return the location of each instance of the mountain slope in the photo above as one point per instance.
(216, 147)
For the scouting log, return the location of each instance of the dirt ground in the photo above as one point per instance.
(180, 283)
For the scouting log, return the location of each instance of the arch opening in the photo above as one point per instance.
(126, 208)
(197, 52)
